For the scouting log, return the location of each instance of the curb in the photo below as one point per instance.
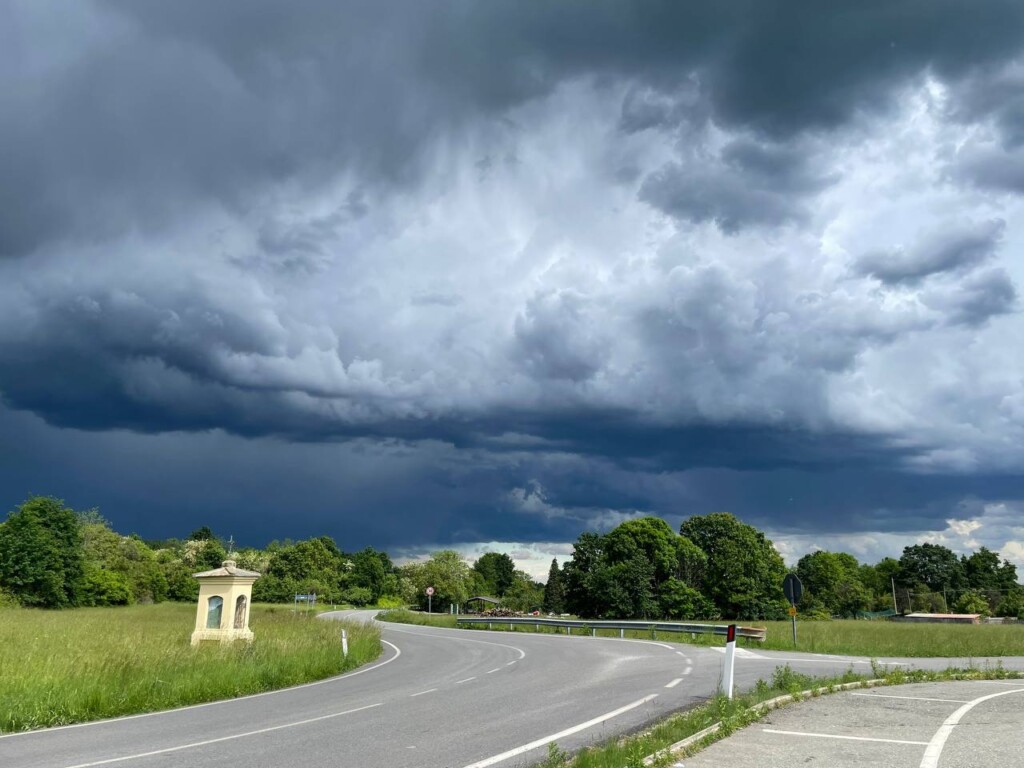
(759, 709)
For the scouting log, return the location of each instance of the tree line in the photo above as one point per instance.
(715, 566)
(54, 557)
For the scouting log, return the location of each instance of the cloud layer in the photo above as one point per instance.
(551, 266)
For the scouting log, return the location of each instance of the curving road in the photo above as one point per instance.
(437, 698)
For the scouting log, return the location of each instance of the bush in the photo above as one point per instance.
(390, 601)
(357, 596)
(103, 587)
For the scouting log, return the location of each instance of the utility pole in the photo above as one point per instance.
(894, 606)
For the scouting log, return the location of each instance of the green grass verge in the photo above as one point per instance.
(735, 714)
(60, 667)
(852, 638)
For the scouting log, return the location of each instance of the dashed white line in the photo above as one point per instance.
(567, 732)
(680, 653)
(492, 671)
(466, 680)
(674, 683)
(909, 698)
(688, 670)
(421, 693)
(509, 664)
(223, 738)
(844, 738)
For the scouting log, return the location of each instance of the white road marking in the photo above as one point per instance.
(492, 671)
(510, 663)
(414, 695)
(520, 651)
(674, 683)
(688, 670)
(741, 653)
(938, 741)
(561, 734)
(908, 698)
(845, 738)
(336, 679)
(681, 654)
(223, 738)
(466, 680)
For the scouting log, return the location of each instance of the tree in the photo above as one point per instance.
(972, 601)
(449, 575)
(524, 594)
(497, 571)
(41, 557)
(744, 573)
(126, 560)
(932, 565)
(554, 590)
(581, 592)
(833, 579)
(371, 570)
(983, 571)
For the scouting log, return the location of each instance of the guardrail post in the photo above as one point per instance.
(490, 625)
(593, 631)
(622, 633)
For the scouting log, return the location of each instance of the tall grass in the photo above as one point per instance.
(60, 667)
(853, 638)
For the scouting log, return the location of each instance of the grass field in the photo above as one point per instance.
(854, 638)
(60, 667)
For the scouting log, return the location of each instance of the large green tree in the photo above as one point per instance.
(497, 571)
(833, 579)
(932, 565)
(42, 562)
(744, 573)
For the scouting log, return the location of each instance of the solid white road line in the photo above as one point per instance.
(908, 698)
(91, 723)
(845, 738)
(561, 734)
(674, 683)
(414, 695)
(223, 738)
(938, 741)
(446, 636)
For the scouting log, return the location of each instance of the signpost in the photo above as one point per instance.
(430, 599)
(793, 590)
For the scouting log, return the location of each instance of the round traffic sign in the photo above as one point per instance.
(430, 590)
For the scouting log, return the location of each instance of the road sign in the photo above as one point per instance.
(792, 610)
(792, 588)
(430, 591)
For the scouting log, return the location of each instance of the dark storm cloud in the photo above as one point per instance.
(948, 249)
(153, 109)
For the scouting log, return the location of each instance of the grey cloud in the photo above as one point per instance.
(749, 182)
(957, 248)
(976, 299)
(557, 337)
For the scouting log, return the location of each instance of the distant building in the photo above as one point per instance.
(942, 618)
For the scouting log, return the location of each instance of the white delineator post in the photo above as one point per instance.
(344, 643)
(730, 661)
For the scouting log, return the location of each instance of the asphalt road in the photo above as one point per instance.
(436, 698)
(929, 725)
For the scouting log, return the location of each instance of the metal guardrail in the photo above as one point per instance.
(751, 633)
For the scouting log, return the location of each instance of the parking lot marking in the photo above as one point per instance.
(938, 741)
(845, 738)
(909, 698)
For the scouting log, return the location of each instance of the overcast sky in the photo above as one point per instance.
(489, 274)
